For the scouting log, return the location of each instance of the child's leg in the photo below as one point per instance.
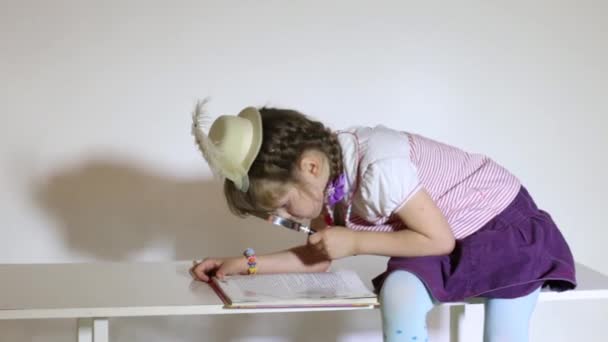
(405, 303)
(508, 320)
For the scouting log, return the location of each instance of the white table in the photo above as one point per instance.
(94, 292)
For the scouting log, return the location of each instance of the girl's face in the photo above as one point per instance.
(304, 198)
(301, 202)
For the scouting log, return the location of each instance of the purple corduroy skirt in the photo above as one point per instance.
(510, 256)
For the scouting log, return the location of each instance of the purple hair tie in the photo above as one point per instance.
(335, 190)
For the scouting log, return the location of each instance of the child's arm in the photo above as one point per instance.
(297, 259)
(303, 258)
(428, 233)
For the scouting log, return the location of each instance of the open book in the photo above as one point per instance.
(280, 290)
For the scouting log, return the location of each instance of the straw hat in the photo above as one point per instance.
(232, 143)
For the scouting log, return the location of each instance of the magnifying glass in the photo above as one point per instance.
(289, 224)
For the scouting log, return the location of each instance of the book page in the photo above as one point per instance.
(269, 287)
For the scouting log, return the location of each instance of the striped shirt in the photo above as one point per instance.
(385, 167)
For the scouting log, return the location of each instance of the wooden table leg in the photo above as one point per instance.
(93, 330)
(467, 322)
(85, 330)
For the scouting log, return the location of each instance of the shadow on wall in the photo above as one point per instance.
(111, 210)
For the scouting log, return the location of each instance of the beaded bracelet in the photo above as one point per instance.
(249, 253)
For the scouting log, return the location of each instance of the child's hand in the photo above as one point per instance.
(219, 267)
(335, 242)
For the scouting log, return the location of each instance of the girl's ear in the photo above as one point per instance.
(311, 163)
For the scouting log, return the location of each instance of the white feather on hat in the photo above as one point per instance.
(232, 144)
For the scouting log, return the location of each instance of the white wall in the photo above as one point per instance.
(97, 161)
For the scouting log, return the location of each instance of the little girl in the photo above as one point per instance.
(455, 225)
